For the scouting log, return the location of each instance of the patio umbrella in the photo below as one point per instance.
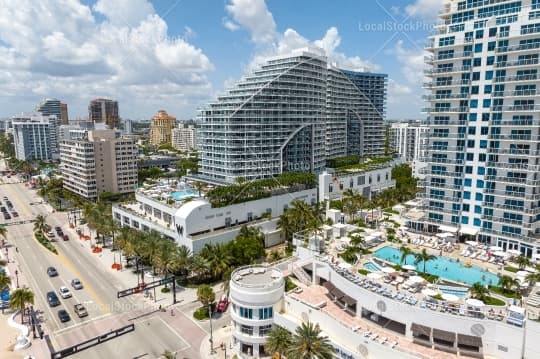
(409, 267)
(522, 273)
(450, 297)
(474, 302)
(495, 249)
(416, 279)
(514, 252)
(471, 243)
(374, 276)
(429, 292)
(388, 270)
(345, 265)
(500, 254)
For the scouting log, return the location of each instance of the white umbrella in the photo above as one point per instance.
(400, 279)
(429, 292)
(536, 255)
(514, 252)
(374, 276)
(450, 297)
(522, 273)
(471, 243)
(388, 270)
(409, 267)
(495, 248)
(441, 235)
(500, 254)
(345, 265)
(416, 279)
(474, 302)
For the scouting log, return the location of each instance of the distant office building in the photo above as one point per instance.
(64, 113)
(161, 128)
(184, 138)
(104, 111)
(409, 140)
(290, 115)
(104, 161)
(35, 137)
(50, 106)
(128, 126)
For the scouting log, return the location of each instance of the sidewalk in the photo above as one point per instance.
(220, 336)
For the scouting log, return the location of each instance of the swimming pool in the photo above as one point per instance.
(443, 267)
(459, 292)
(180, 195)
(372, 267)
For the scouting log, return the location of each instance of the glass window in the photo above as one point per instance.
(464, 220)
(266, 313)
(246, 312)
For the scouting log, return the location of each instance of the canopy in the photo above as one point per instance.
(444, 235)
(514, 252)
(444, 335)
(348, 300)
(448, 229)
(469, 340)
(499, 254)
(377, 234)
(471, 243)
(388, 270)
(329, 286)
(429, 292)
(416, 279)
(374, 276)
(409, 267)
(522, 273)
(474, 302)
(470, 231)
(419, 329)
(345, 265)
(495, 248)
(336, 292)
(516, 309)
(450, 297)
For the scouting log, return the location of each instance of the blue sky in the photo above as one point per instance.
(177, 55)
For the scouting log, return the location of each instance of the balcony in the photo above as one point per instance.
(447, 70)
(518, 47)
(526, 62)
(516, 78)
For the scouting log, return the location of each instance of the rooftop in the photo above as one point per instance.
(257, 276)
(172, 192)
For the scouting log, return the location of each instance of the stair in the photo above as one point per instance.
(301, 274)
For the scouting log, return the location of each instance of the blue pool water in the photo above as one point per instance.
(372, 267)
(462, 293)
(180, 195)
(443, 267)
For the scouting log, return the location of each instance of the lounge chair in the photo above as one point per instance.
(422, 304)
(367, 333)
(383, 340)
(393, 344)
(374, 336)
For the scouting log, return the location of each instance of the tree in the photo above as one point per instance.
(308, 343)
(247, 247)
(522, 261)
(507, 283)
(424, 257)
(218, 258)
(205, 295)
(405, 252)
(350, 203)
(199, 266)
(40, 224)
(167, 354)
(167, 257)
(199, 186)
(5, 281)
(20, 298)
(278, 341)
(532, 278)
(478, 291)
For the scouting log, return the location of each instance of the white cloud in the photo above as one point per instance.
(425, 9)
(255, 17)
(59, 49)
(230, 25)
(412, 62)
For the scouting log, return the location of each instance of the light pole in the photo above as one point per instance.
(211, 334)
(17, 277)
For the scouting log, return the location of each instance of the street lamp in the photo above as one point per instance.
(211, 334)
(17, 277)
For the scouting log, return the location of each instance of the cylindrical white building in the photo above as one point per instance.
(256, 293)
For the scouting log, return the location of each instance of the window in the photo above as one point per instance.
(486, 103)
(467, 182)
(492, 32)
(265, 330)
(478, 197)
(467, 195)
(491, 46)
(479, 34)
(477, 209)
(447, 41)
(489, 75)
(477, 62)
(473, 116)
(478, 48)
(266, 313)
(485, 117)
(476, 76)
(477, 222)
(464, 220)
(245, 312)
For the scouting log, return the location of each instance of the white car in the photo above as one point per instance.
(64, 292)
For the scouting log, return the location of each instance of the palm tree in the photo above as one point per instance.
(507, 283)
(424, 257)
(278, 341)
(206, 295)
(478, 291)
(183, 258)
(199, 266)
(218, 258)
(151, 247)
(20, 298)
(308, 343)
(532, 278)
(225, 286)
(405, 252)
(40, 224)
(199, 186)
(166, 260)
(522, 261)
(350, 203)
(167, 354)
(5, 281)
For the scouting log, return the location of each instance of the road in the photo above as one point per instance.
(153, 334)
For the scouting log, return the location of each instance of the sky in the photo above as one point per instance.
(177, 55)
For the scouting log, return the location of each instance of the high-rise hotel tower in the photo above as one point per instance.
(483, 173)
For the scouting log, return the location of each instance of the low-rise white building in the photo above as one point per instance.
(184, 137)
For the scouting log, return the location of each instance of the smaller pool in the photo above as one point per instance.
(180, 195)
(459, 292)
(372, 267)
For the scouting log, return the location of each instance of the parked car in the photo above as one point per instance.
(52, 299)
(7, 215)
(65, 237)
(15, 214)
(222, 304)
(51, 271)
(64, 292)
(80, 310)
(63, 315)
(76, 284)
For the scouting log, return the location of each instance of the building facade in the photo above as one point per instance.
(50, 107)
(36, 137)
(184, 138)
(256, 293)
(161, 128)
(104, 111)
(128, 126)
(484, 137)
(409, 140)
(103, 161)
(289, 115)
(64, 113)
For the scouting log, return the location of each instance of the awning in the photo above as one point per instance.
(469, 340)
(449, 229)
(329, 286)
(470, 231)
(348, 300)
(337, 293)
(419, 329)
(444, 335)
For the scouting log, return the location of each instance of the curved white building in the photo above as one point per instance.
(256, 293)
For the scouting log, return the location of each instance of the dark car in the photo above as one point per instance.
(15, 214)
(9, 204)
(63, 315)
(51, 271)
(7, 215)
(3, 209)
(65, 237)
(52, 299)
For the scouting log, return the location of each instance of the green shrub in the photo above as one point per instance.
(289, 284)
(504, 292)
(511, 269)
(201, 313)
(45, 242)
(165, 290)
(431, 278)
(363, 271)
(493, 301)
